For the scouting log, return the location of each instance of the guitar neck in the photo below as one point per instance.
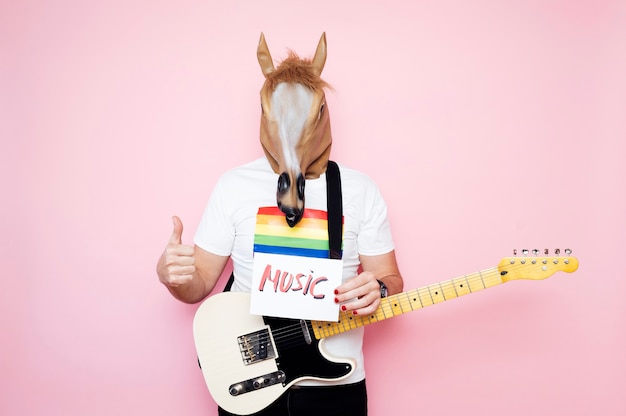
(410, 301)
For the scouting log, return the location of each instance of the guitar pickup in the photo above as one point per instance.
(256, 346)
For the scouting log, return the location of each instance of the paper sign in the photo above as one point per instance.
(295, 287)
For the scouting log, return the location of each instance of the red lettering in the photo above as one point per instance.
(308, 284)
(284, 283)
(312, 287)
(276, 280)
(299, 287)
(267, 275)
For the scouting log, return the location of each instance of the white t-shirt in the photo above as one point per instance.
(228, 224)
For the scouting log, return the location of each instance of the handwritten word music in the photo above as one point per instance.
(284, 281)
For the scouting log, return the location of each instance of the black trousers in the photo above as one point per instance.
(347, 400)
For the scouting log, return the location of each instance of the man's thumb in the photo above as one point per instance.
(177, 233)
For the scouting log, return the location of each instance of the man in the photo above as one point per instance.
(227, 229)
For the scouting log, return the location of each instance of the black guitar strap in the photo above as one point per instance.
(334, 207)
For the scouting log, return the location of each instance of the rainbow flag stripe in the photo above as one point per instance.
(309, 238)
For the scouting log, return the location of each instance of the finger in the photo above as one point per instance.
(371, 308)
(357, 287)
(179, 256)
(359, 303)
(180, 250)
(179, 280)
(177, 233)
(178, 270)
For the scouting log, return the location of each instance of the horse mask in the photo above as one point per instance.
(295, 126)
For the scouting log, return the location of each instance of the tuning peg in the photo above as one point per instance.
(557, 251)
(525, 252)
(535, 251)
(515, 252)
(568, 251)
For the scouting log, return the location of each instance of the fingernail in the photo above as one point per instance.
(343, 307)
(355, 313)
(336, 292)
(336, 300)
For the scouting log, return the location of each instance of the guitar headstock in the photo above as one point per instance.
(532, 266)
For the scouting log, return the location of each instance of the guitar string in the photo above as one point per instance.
(406, 301)
(293, 333)
(474, 280)
(422, 297)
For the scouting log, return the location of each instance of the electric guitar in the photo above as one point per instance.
(249, 361)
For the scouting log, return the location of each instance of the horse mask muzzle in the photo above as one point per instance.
(295, 127)
(292, 214)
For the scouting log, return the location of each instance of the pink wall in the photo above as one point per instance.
(488, 125)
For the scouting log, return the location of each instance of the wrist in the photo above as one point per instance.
(384, 292)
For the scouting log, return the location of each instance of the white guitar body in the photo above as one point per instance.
(246, 364)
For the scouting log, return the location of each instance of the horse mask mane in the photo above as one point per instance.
(295, 125)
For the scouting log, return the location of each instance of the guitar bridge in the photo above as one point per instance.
(256, 346)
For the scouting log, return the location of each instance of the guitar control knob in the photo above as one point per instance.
(258, 383)
(235, 389)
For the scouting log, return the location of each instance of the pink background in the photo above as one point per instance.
(488, 125)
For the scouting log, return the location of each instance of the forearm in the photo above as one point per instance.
(384, 268)
(394, 283)
(191, 292)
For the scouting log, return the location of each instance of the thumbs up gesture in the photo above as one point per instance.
(176, 265)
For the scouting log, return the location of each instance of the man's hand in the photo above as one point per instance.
(177, 264)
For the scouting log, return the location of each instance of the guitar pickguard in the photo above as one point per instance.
(300, 356)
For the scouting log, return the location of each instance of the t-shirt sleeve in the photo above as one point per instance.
(375, 232)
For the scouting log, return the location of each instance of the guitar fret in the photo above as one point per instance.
(415, 297)
(406, 301)
(448, 289)
(435, 298)
(430, 294)
(493, 279)
(461, 285)
(384, 304)
(397, 306)
(456, 293)
(425, 300)
(482, 280)
(475, 282)
(346, 323)
(468, 284)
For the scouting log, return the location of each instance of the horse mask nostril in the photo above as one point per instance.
(283, 183)
(300, 182)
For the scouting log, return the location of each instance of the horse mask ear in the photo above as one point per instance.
(264, 57)
(320, 56)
